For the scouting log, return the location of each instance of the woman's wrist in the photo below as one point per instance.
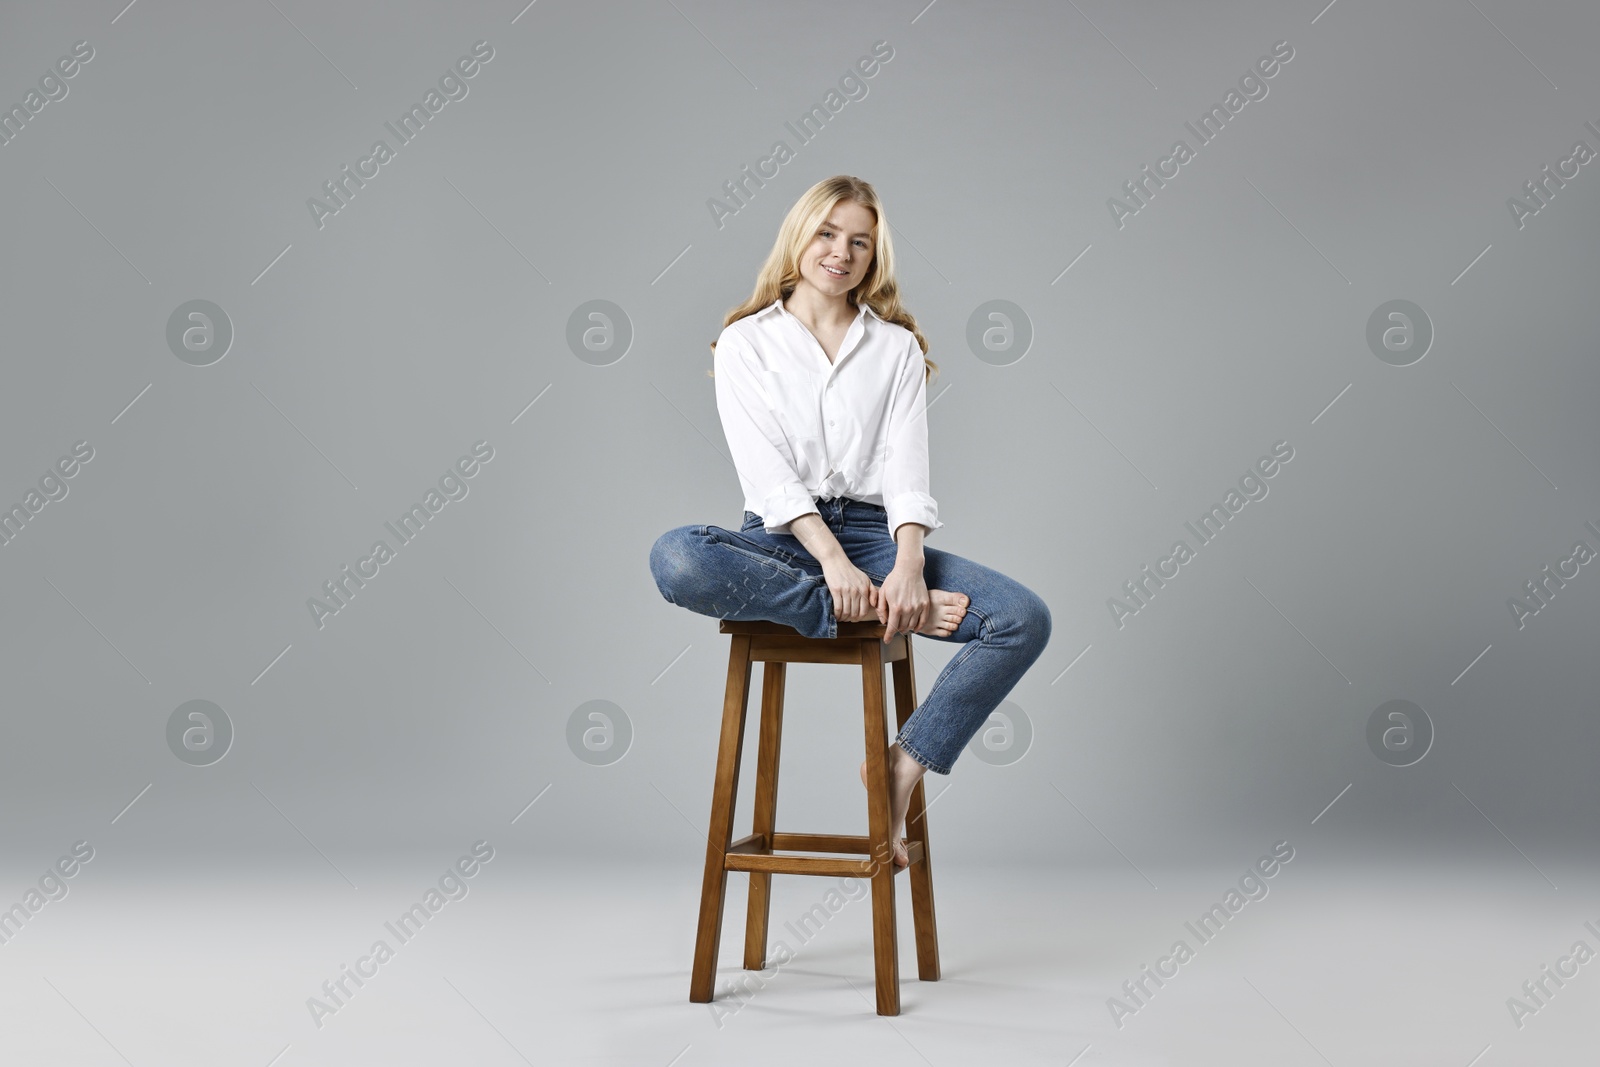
(812, 532)
(907, 561)
(908, 540)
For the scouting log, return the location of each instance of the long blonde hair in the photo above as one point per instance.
(781, 272)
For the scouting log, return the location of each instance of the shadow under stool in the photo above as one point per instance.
(776, 646)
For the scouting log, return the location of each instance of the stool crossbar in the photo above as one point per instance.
(757, 853)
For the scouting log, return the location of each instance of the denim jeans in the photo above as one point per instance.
(754, 575)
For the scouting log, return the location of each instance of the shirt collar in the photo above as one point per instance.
(776, 307)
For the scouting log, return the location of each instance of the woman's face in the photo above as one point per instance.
(842, 243)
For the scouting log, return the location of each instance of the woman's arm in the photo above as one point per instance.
(812, 531)
(753, 433)
(908, 541)
(905, 465)
(904, 601)
(854, 595)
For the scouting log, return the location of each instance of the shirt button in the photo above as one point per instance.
(830, 422)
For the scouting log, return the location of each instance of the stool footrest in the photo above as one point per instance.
(750, 853)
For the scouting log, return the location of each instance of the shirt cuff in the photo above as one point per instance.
(913, 507)
(785, 506)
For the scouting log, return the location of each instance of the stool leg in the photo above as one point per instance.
(709, 936)
(885, 946)
(905, 702)
(766, 804)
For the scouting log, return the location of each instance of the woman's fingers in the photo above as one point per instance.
(853, 599)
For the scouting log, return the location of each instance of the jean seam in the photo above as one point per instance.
(955, 664)
(759, 557)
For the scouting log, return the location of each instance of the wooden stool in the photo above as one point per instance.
(777, 646)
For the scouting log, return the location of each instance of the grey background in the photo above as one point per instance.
(1225, 316)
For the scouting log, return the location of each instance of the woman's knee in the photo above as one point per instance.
(674, 559)
(1029, 615)
(1039, 618)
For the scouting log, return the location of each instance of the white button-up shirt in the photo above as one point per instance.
(801, 427)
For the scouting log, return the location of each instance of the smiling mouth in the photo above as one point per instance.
(836, 272)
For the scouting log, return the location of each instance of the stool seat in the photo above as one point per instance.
(846, 629)
(757, 853)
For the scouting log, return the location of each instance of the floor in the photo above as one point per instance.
(575, 962)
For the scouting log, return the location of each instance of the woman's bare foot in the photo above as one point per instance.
(945, 612)
(904, 774)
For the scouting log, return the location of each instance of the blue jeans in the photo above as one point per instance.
(754, 575)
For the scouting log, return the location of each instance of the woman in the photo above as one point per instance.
(821, 385)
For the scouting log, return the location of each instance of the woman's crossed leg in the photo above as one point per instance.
(755, 575)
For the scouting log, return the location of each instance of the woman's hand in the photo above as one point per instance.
(854, 595)
(903, 602)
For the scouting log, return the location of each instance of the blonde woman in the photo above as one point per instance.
(821, 384)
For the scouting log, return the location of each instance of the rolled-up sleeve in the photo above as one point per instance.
(905, 466)
(760, 450)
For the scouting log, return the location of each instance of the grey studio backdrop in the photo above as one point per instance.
(541, 269)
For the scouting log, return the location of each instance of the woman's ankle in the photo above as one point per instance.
(905, 763)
